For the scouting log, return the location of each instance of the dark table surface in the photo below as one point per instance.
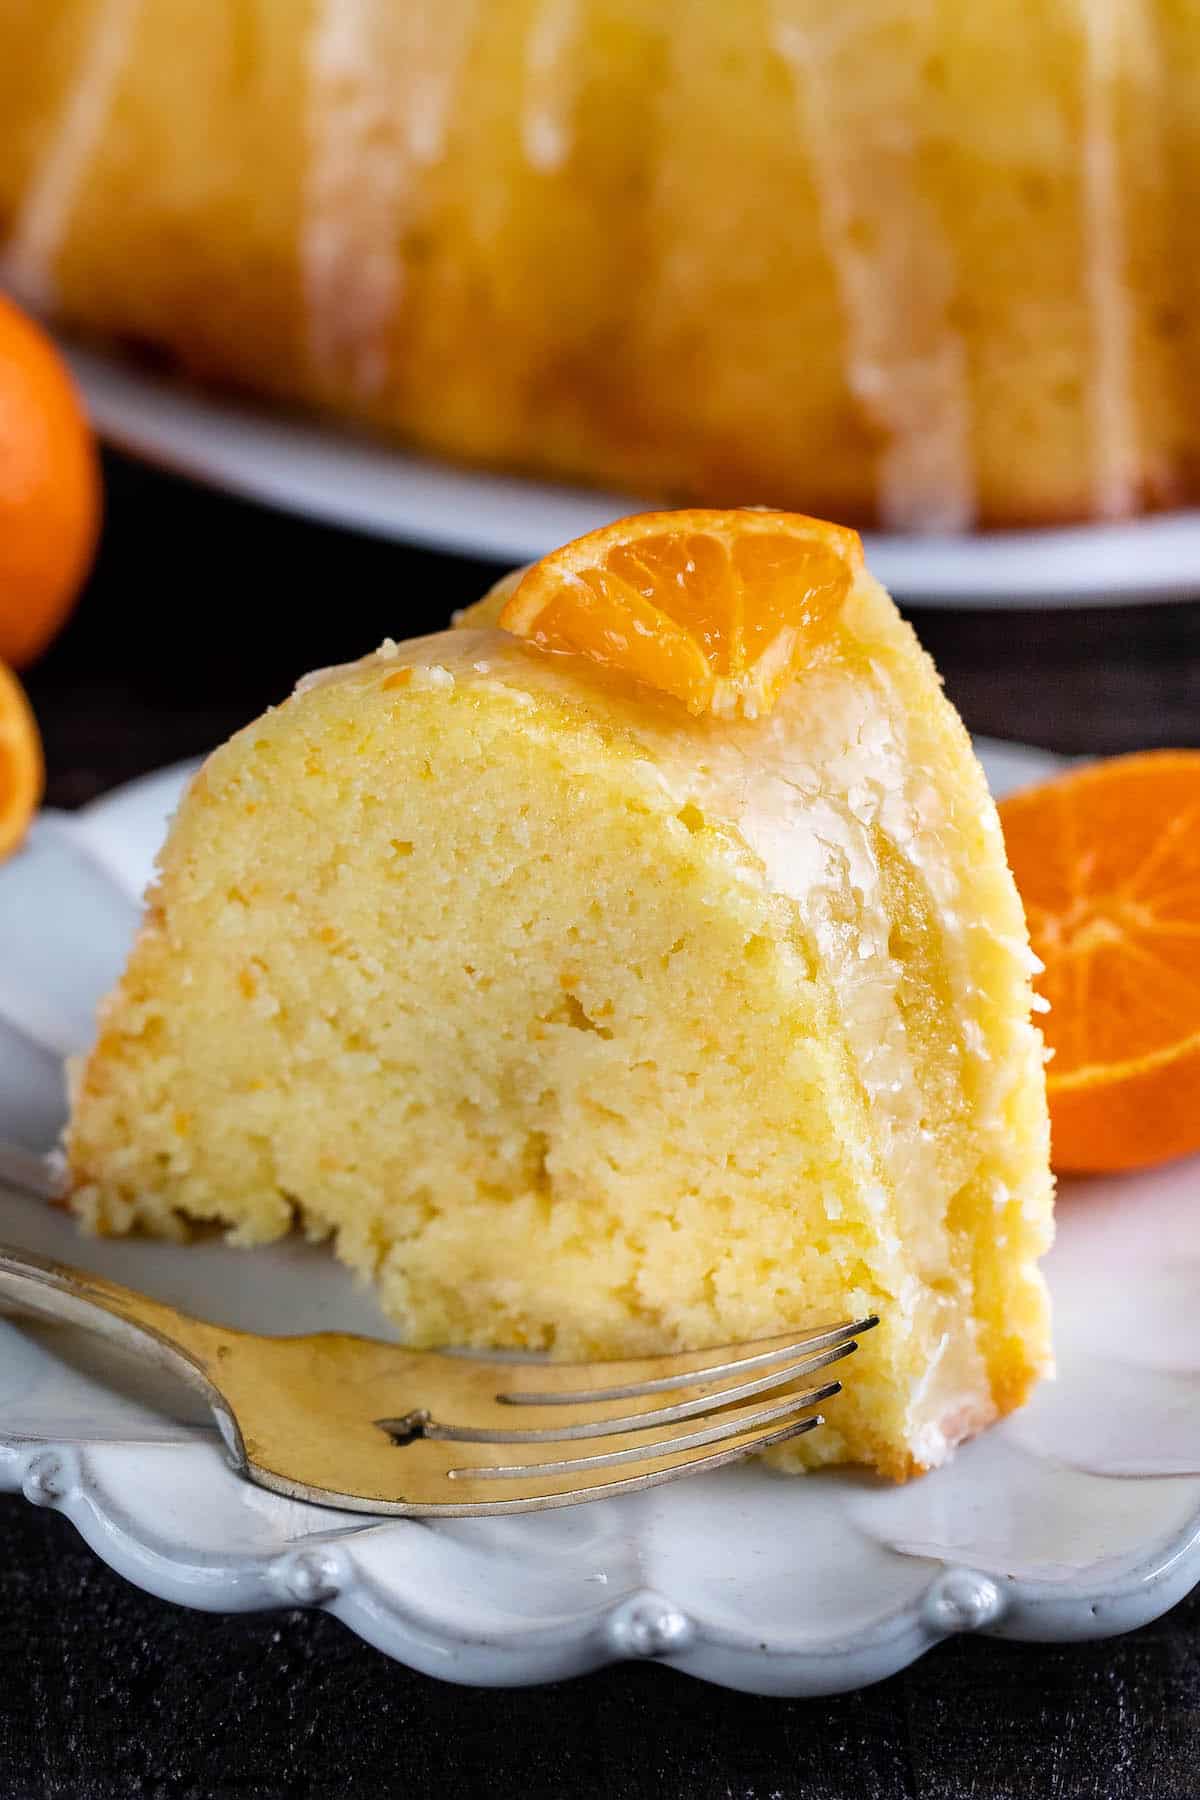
(201, 611)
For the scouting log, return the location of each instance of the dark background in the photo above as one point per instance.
(202, 610)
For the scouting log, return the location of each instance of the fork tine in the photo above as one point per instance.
(703, 1404)
(549, 1495)
(685, 1464)
(688, 1369)
(731, 1425)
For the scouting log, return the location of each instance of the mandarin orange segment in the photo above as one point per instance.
(717, 609)
(21, 766)
(613, 624)
(1107, 859)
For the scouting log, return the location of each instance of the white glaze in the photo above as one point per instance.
(553, 63)
(905, 364)
(381, 84)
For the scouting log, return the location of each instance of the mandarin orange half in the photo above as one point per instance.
(21, 765)
(1107, 859)
(718, 609)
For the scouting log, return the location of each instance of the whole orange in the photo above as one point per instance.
(49, 489)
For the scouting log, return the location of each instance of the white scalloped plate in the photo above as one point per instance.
(1077, 1518)
(314, 467)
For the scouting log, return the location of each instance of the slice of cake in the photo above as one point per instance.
(593, 1017)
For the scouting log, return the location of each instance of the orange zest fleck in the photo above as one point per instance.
(718, 609)
(398, 679)
(22, 771)
(1107, 859)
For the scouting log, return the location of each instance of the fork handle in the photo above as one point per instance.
(188, 1347)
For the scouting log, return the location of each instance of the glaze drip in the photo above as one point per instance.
(29, 259)
(1114, 423)
(381, 85)
(905, 364)
(552, 65)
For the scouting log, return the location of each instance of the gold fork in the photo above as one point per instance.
(372, 1427)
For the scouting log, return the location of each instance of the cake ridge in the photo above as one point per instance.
(43, 219)
(893, 263)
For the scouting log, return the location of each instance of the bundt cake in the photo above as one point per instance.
(918, 266)
(587, 1019)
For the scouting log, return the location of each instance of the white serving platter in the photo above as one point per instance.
(1076, 1518)
(317, 469)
